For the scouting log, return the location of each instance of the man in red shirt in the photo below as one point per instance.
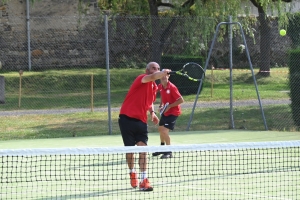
(133, 119)
(169, 94)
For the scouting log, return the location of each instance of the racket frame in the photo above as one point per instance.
(164, 108)
(183, 73)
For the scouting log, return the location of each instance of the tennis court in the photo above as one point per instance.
(228, 164)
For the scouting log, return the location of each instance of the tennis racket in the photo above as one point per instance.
(192, 71)
(163, 109)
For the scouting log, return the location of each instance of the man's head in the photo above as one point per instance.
(152, 67)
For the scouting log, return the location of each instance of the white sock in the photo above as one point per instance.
(143, 175)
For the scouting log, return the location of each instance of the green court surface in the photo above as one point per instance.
(188, 137)
(217, 174)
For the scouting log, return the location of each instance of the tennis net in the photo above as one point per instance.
(259, 170)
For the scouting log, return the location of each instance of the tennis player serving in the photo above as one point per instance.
(133, 119)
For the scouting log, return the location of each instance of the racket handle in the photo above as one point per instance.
(172, 72)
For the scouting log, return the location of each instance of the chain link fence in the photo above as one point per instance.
(59, 66)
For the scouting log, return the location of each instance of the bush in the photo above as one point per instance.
(293, 28)
(294, 82)
(175, 63)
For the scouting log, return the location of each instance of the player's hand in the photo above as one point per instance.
(160, 108)
(168, 108)
(166, 71)
(154, 118)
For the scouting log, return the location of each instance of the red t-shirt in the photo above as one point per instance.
(170, 94)
(139, 99)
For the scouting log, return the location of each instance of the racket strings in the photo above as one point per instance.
(193, 71)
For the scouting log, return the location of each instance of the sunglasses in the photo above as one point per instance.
(155, 68)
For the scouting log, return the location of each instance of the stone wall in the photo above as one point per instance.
(61, 37)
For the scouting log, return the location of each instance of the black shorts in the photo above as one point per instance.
(168, 121)
(133, 130)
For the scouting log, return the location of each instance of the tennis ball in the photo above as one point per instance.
(282, 32)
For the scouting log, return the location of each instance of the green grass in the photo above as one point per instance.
(66, 88)
(96, 123)
(72, 89)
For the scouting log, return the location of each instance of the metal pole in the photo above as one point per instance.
(230, 69)
(205, 67)
(251, 67)
(194, 106)
(108, 76)
(253, 76)
(28, 34)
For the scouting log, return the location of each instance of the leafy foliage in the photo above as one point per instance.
(293, 29)
(294, 84)
(217, 10)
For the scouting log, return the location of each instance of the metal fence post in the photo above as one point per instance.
(2, 90)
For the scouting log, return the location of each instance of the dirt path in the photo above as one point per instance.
(184, 105)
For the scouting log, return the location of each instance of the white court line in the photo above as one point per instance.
(239, 193)
(225, 191)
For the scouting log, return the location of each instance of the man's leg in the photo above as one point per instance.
(133, 175)
(164, 132)
(144, 184)
(142, 158)
(130, 160)
(162, 142)
(126, 125)
(164, 135)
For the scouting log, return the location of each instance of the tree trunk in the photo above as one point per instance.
(265, 43)
(158, 36)
(155, 46)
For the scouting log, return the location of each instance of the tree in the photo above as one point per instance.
(218, 9)
(154, 5)
(265, 34)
